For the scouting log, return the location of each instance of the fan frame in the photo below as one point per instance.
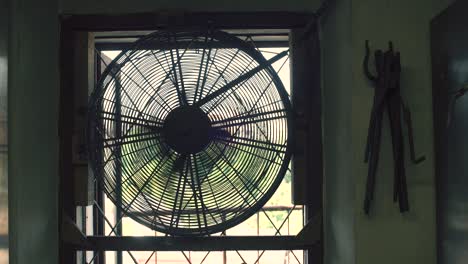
(253, 53)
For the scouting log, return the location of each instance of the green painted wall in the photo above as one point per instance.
(32, 114)
(339, 192)
(387, 236)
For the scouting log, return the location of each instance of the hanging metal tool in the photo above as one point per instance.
(387, 96)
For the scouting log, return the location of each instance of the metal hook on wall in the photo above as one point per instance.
(387, 98)
(451, 107)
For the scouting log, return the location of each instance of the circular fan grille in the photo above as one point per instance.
(181, 139)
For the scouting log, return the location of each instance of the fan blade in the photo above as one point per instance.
(235, 139)
(243, 122)
(179, 193)
(256, 155)
(198, 86)
(242, 78)
(253, 145)
(180, 89)
(220, 73)
(195, 192)
(121, 141)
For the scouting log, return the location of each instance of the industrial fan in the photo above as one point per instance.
(190, 131)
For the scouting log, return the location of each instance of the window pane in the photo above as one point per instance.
(212, 257)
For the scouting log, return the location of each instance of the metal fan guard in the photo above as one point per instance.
(106, 140)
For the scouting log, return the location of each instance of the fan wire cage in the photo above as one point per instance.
(189, 131)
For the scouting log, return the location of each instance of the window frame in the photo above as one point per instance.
(73, 240)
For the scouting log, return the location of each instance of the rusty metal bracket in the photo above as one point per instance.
(72, 235)
(311, 233)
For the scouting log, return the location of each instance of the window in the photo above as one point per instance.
(279, 217)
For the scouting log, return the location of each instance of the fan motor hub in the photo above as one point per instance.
(187, 129)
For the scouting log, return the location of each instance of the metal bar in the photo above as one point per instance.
(307, 165)
(83, 229)
(66, 187)
(118, 166)
(252, 121)
(99, 194)
(106, 243)
(243, 117)
(99, 222)
(231, 140)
